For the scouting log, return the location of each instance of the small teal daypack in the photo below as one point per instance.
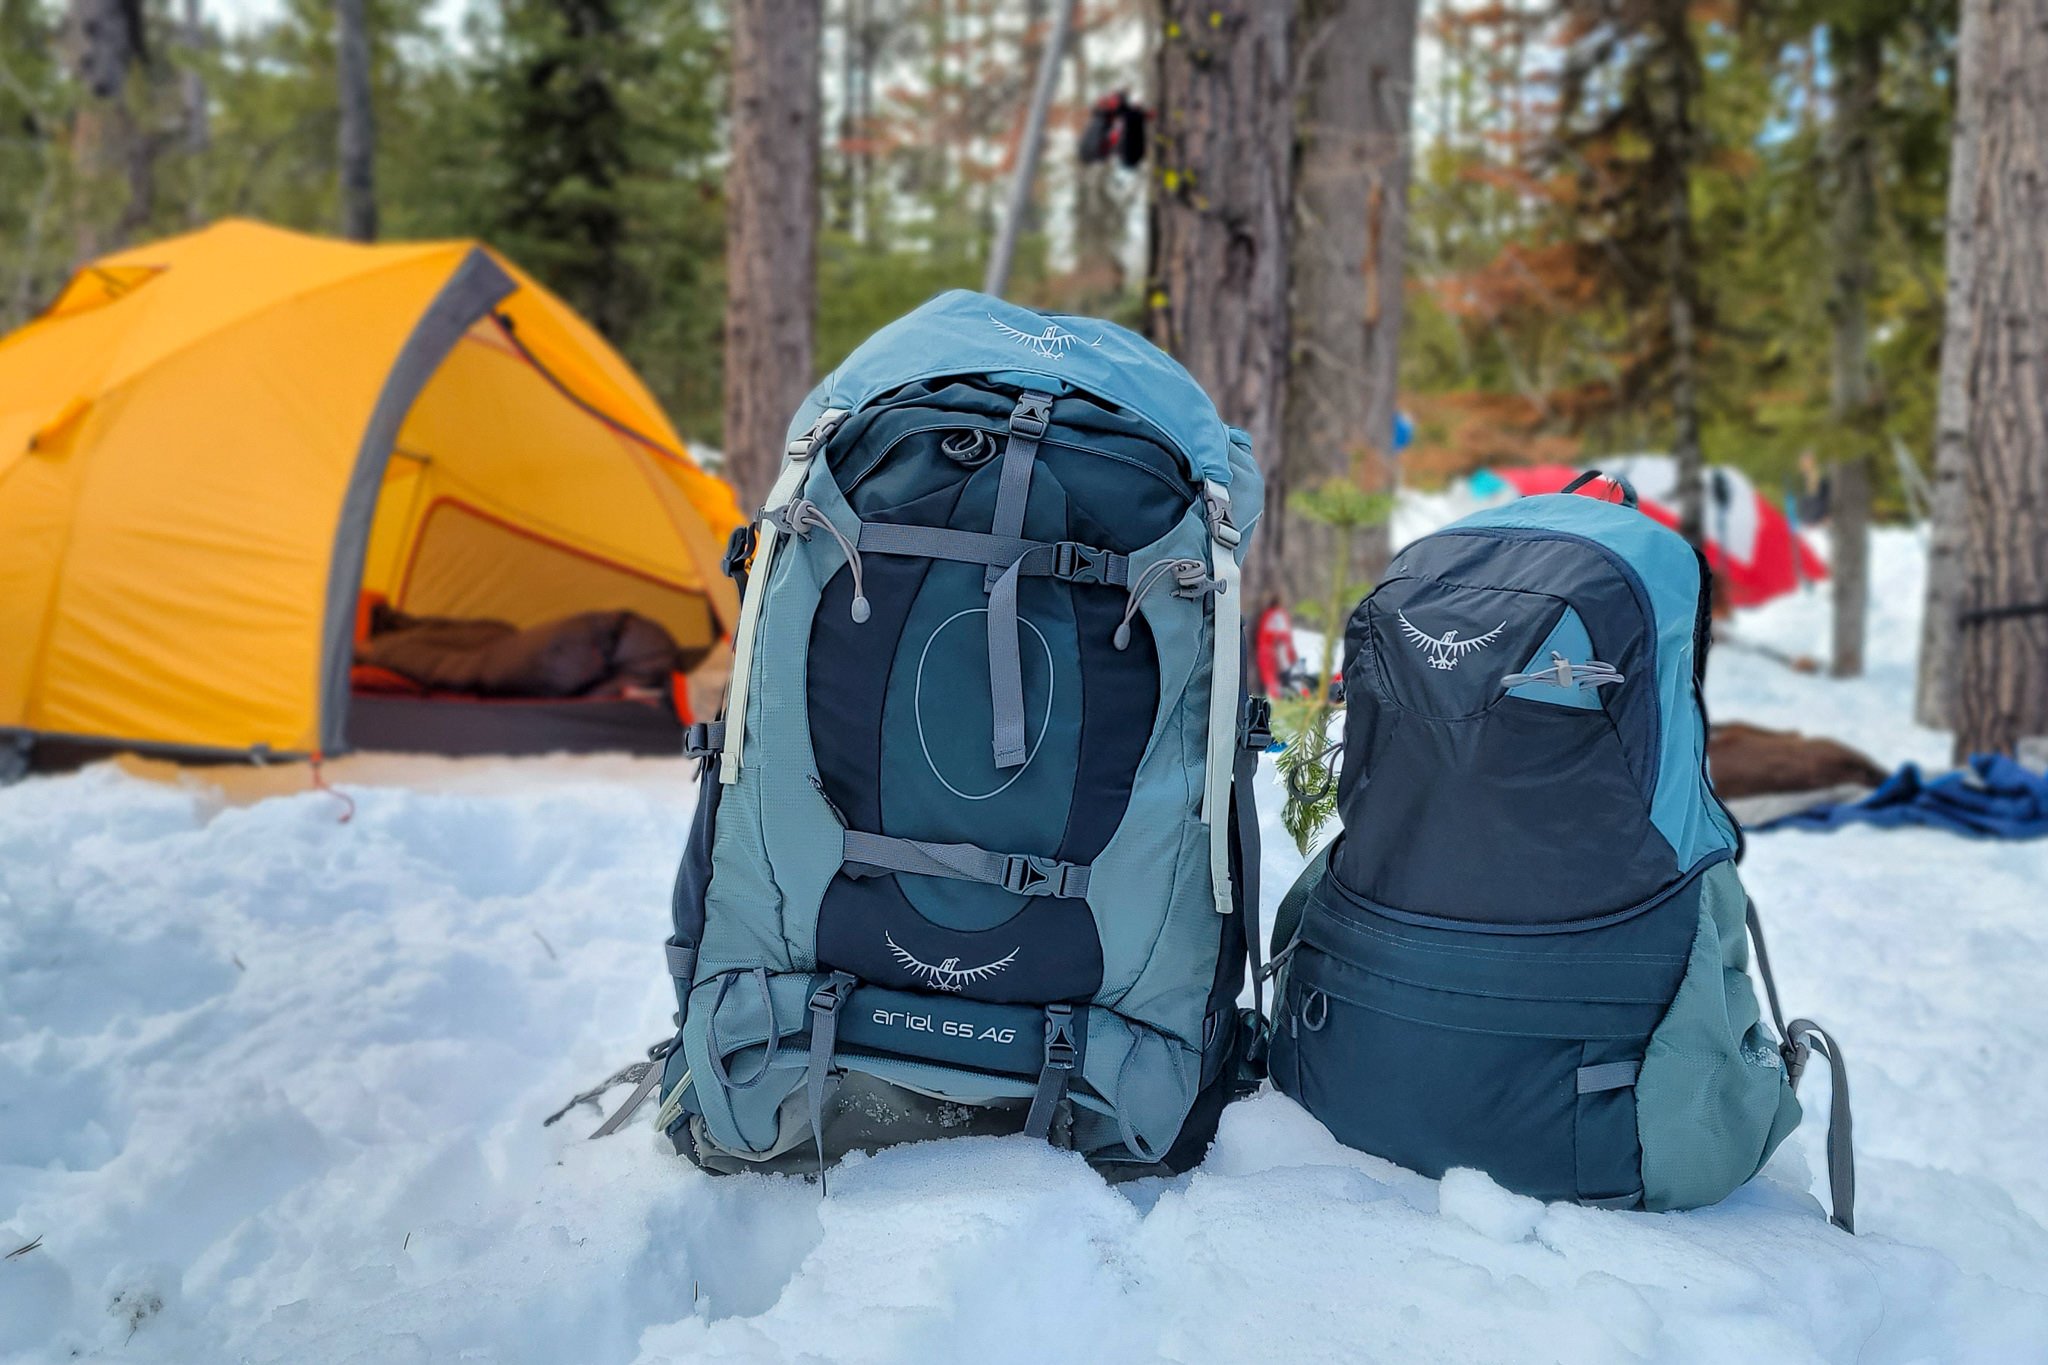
(1527, 951)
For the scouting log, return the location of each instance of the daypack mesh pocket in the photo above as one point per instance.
(1713, 1101)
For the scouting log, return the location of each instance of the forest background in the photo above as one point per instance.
(1575, 227)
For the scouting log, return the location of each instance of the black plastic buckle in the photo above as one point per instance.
(700, 742)
(739, 549)
(1795, 1053)
(1060, 1050)
(1031, 416)
(1074, 562)
(1032, 876)
(1257, 731)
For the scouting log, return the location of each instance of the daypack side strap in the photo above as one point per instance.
(1025, 874)
(1797, 1041)
(1808, 1037)
(1763, 966)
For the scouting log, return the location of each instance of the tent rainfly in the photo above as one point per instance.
(212, 448)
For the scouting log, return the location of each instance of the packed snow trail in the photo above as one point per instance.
(271, 1089)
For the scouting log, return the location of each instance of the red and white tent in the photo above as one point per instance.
(1753, 550)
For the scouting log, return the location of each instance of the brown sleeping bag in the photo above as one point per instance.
(1748, 760)
(596, 652)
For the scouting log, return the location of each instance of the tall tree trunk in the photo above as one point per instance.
(1934, 704)
(104, 44)
(1357, 69)
(771, 229)
(1676, 73)
(1223, 148)
(1859, 59)
(2002, 680)
(358, 135)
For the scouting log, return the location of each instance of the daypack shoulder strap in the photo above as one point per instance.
(1807, 1037)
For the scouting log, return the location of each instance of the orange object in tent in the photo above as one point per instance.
(212, 446)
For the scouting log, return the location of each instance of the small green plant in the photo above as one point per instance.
(1308, 765)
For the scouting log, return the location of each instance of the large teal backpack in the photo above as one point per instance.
(1527, 951)
(966, 857)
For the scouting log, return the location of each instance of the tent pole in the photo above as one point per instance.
(1028, 148)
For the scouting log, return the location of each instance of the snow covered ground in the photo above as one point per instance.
(271, 1089)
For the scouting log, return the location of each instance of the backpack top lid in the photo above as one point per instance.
(1664, 574)
(962, 332)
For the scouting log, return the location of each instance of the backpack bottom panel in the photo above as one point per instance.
(909, 1066)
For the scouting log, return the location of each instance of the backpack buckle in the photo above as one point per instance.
(828, 420)
(1029, 875)
(704, 739)
(1257, 730)
(832, 994)
(1217, 502)
(1060, 1050)
(1074, 562)
(1031, 416)
(739, 548)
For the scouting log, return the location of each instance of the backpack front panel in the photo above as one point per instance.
(883, 725)
(899, 710)
(1467, 798)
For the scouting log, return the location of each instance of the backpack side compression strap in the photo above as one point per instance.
(794, 466)
(1223, 692)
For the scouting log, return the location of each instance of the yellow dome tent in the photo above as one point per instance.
(212, 446)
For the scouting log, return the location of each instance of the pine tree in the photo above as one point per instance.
(564, 152)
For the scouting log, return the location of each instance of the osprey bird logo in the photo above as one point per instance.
(1445, 650)
(1051, 344)
(948, 975)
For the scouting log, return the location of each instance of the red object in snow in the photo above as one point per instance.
(1751, 547)
(1273, 647)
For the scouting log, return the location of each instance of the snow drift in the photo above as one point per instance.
(271, 1089)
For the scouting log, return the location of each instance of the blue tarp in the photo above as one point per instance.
(1994, 797)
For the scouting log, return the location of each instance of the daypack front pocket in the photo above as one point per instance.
(1483, 1046)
